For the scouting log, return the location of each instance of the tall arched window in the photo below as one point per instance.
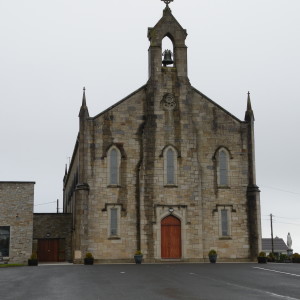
(223, 168)
(114, 166)
(170, 166)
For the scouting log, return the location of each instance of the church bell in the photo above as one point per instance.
(167, 54)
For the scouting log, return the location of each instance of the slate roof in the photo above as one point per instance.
(279, 245)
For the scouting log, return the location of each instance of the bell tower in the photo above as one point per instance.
(160, 58)
(166, 112)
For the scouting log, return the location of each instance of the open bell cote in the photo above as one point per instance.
(169, 27)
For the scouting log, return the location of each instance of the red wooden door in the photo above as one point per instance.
(48, 250)
(170, 237)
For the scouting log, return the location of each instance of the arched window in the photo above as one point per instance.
(114, 166)
(223, 167)
(167, 45)
(170, 166)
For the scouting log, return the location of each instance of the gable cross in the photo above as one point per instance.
(167, 1)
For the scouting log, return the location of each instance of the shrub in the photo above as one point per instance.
(212, 252)
(296, 258)
(283, 257)
(271, 257)
(89, 255)
(138, 252)
(33, 256)
(262, 254)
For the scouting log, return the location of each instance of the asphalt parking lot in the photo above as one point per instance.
(152, 281)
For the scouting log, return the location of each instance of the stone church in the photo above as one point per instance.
(165, 170)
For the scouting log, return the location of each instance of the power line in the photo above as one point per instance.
(45, 203)
(279, 189)
(280, 217)
(297, 224)
(287, 218)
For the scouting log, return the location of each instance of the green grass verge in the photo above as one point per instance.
(11, 265)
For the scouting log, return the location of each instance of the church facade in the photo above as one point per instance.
(165, 170)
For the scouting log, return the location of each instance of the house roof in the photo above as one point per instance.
(279, 244)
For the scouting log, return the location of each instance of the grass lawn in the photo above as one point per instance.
(11, 265)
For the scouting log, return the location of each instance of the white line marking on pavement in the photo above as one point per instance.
(280, 296)
(262, 291)
(296, 275)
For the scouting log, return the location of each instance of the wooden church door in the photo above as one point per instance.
(48, 250)
(170, 237)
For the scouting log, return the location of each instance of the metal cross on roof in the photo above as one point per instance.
(167, 1)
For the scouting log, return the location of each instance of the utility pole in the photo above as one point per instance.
(57, 209)
(271, 219)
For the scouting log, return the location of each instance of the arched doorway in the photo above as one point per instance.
(170, 237)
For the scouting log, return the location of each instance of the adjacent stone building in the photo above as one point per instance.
(165, 170)
(16, 220)
(22, 232)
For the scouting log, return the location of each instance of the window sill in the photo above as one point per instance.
(225, 238)
(171, 186)
(114, 186)
(114, 238)
(224, 187)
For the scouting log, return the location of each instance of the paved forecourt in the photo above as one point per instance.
(152, 281)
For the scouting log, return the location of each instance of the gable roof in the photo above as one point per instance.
(167, 13)
(216, 104)
(279, 244)
(119, 102)
(145, 86)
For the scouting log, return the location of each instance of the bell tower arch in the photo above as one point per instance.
(167, 52)
(169, 27)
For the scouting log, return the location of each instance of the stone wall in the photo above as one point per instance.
(53, 226)
(16, 207)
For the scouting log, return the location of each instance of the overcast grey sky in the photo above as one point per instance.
(51, 49)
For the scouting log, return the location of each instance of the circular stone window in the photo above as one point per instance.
(169, 102)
